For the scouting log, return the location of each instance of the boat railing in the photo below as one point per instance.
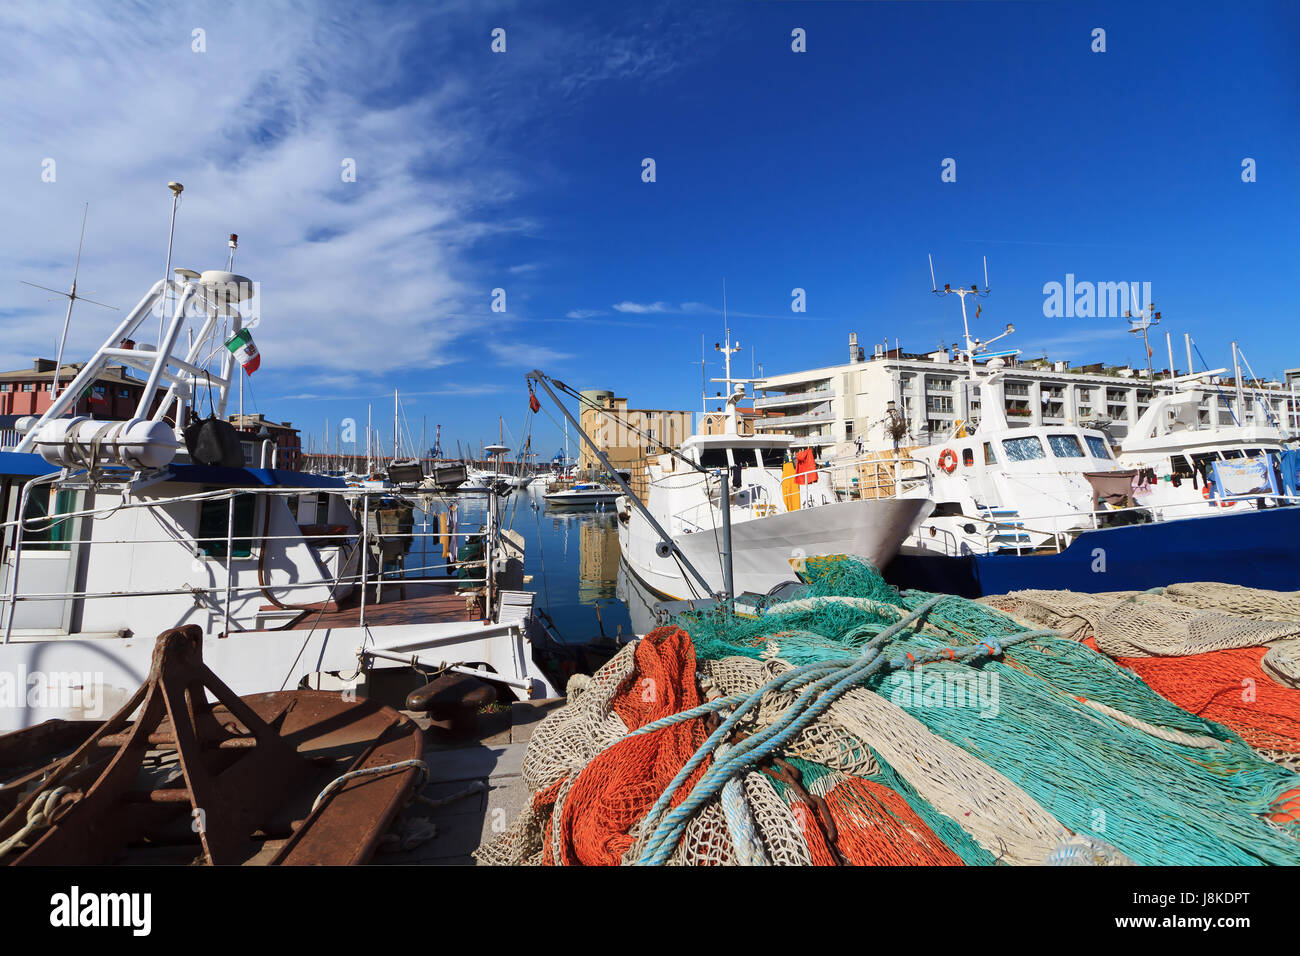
(834, 483)
(1060, 538)
(874, 477)
(356, 564)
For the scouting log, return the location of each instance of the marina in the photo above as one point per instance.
(428, 439)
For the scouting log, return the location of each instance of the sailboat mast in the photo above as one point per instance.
(395, 436)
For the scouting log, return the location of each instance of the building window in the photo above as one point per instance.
(6, 387)
(29, 387)
(123, 393)
(214, 528)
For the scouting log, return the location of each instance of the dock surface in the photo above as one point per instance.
(493, 758)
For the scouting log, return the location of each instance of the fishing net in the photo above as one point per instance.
(858, 725)
(1239, 669)
(1149, 624)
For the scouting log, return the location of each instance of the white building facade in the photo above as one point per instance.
(832, 408)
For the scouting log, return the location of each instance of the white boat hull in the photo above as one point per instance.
(762, 548)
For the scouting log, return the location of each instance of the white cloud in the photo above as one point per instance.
(638, 308)
(583, 313)
(522, 354)
(363, 278)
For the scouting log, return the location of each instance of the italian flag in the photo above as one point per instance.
(243, 349)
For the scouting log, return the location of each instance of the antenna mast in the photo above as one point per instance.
(1144, 321)
(176, 189)
(71, 296)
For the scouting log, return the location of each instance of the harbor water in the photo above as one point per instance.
(572, 557)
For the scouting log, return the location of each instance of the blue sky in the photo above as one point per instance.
(523, 171)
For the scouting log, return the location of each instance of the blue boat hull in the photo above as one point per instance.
(1257, 548)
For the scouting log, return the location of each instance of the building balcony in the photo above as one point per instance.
(777, 422)
(794, 398)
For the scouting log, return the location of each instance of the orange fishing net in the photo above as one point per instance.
(1231, 688)
(876, 827)
(621, 783)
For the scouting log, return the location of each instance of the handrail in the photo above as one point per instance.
(360, 537)
(1204, 505)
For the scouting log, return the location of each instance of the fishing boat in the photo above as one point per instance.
(727, 513)
(116, 531)
(1055, 507)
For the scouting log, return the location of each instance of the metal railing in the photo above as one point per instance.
(1096, 519)
(360, 540)
(761, 497)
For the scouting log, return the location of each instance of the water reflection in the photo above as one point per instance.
(572, 557)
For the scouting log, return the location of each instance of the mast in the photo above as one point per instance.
(396, 443)
(71, 296)
(1236, 375)
(369, 464)
(176, 189)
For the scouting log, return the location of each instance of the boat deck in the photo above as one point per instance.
(424, 609)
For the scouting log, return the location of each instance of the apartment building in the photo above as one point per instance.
(832, 408)
(627, 435)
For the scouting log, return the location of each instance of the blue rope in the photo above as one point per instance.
(823, 683)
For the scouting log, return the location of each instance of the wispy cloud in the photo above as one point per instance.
(642, 308)
(522, 354)
(361, 278)
(583, 313)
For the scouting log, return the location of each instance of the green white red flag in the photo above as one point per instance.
(245, 352)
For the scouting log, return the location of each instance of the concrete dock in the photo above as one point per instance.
(490, 759)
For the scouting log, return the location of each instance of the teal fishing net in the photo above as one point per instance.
(1088, 740)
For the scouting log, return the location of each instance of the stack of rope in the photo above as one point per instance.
(856, 725)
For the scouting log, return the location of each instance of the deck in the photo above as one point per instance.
(425, 609)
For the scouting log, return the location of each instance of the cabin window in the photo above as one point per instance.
(714, 458)
(213, 527)
(1233, 453)
(968, 456)
(1204, 461)
(1023, 449)
(1254, 452)
(989, 457)
(1180, 468)
(1097, 446)
(772, 457)
(44, 531)
(1065, 446)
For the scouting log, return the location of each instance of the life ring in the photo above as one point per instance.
(948, 460)
(1209, 496)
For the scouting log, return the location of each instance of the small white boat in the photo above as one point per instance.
(588, 494)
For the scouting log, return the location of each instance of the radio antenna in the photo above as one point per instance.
(72, 297)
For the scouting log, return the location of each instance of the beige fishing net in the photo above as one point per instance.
(1182, 621)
